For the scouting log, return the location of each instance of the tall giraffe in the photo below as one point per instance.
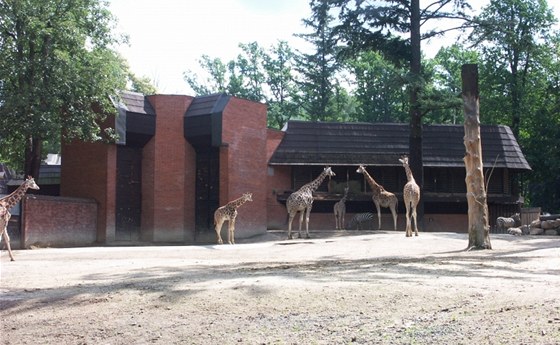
(229, 212)
(411, 196)
(381, 197)
(340, 211)
(302, 201)
(9, 201)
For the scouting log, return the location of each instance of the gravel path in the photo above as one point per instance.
(337, 288)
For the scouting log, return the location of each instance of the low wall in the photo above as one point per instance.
(58, 221)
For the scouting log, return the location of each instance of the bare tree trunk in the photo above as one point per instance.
(479, 228)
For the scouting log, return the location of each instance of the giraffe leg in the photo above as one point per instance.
(219, 229)
(231, 229)
(308, 211)
(335, 220)
(408, 230)
(394, 212)
(6, 238)
(415, 222)
(301, 222)
(342, 216)
(378, 216)
(290, 225)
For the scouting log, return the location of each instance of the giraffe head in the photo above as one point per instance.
(247, 197)
(404, 160)
(361, 169)
(30, 183)
(328, 172)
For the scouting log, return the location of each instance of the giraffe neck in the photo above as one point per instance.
(409, 176)
(237, 202)
(376, 188)
(345, 196)
(12, 199)
(313, 185)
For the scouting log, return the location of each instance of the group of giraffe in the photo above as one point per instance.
(302, 200)
(299, 201)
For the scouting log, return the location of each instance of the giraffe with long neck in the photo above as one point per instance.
(302, 201)
(229, 212)
(9, 201)
(340, 211)
(381, 197)
(411, 196)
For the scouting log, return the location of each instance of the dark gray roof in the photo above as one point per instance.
(134, 102)
(207, 105)
(347, 143)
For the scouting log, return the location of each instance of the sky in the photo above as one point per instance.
(168, 37)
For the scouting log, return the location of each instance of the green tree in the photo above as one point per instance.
(215, 81)
(511, 34)
(378, 88)
(282, 99)
(444, 73)
(57, 71)
(540, 130)
(318, 69)
(381, 26)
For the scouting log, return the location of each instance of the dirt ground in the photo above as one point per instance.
(336, 288)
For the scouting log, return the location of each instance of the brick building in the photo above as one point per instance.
(179, 158)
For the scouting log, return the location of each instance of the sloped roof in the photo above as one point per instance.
(135, 102)
(207, 105)
(381, 144)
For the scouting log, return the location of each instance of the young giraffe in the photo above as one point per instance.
(302, 201)
(381, 197)
(340, 211)
(9, 201)
(411, 196)
(229, 212)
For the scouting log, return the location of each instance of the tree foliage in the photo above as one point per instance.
(510, 34)
(56, 62)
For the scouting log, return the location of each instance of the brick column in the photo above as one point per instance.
(164, 162)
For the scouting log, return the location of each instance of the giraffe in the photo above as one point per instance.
(381, 197)
(229, 212)
(340, 211)
(302, 201)
(7, 202)
(411, 196)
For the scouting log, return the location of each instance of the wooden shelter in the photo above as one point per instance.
(309, 146)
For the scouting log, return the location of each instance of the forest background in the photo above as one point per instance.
(59, 57)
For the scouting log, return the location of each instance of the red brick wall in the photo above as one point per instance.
(58, 221)
(88, 170)
(169, 154)
(245, 162)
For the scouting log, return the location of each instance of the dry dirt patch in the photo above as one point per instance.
(372, 288)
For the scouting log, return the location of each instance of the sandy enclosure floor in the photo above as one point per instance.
(336, 288)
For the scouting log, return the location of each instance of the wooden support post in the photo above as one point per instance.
(479, 228)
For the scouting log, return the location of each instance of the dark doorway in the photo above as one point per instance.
(207, 188)
(129, 193)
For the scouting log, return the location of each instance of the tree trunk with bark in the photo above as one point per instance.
(479, 228)
(416, 133)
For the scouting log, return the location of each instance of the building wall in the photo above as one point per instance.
(89, 170)
(165, 201)
(243, 163)
(57, 221)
